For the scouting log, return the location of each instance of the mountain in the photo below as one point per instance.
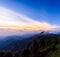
(4, 41)
(19, 43)
(7, 41)
(16, 44)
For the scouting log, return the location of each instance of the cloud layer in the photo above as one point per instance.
(12, 20)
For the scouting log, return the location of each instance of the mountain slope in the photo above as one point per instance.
(13, 44)
(17, 44)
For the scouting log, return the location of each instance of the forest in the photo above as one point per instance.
(41, 46)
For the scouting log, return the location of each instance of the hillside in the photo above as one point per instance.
(39, 45)
(14, 43)
(54, 53)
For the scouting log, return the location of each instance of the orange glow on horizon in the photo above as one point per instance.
(15, 21)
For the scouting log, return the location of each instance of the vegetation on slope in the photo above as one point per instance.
(42, 46)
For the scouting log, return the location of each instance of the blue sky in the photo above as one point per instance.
(41, 10)
(39, 14)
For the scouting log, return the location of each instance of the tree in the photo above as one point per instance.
(2, 54)
(8, 54)
(35, 48)
(26, 52)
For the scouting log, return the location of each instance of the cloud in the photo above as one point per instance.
(12, 20)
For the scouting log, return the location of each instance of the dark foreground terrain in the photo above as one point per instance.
(45, 45)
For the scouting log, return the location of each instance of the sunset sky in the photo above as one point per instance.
(30, 14)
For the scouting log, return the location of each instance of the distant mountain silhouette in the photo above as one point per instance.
(19, 43)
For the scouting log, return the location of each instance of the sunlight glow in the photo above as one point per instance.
(11, 20)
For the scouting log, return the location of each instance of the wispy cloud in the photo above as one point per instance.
(12, 20)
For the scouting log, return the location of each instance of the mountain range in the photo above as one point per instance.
(15, 43)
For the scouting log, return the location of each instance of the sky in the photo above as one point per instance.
(30, 14)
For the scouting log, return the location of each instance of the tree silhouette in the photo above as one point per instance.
(26, 52)
(17, 54)
(54, 45)
(2, 54)
(35, 48)
(8, 54)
